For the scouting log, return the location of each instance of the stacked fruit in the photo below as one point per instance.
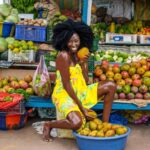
(119, 56)
(14, 85)
(32, 22)
(97, 128)
(133, 79)
(137, 117)
(21, 46)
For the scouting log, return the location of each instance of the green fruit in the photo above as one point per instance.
(119, 89)
(126, 89)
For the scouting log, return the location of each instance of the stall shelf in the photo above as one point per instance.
(39, 102)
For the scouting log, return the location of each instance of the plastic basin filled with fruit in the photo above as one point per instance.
(103, 136)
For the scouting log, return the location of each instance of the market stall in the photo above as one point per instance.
(120, 37)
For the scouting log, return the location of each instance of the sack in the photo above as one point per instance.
(41, 79)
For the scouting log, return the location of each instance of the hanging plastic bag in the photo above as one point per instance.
(41, 79)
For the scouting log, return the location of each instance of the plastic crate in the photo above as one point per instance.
(7, 29)
(31, 33)
(121, 38)
(17, 109)
(144, 39)
(49, 34)
(12, 121)
(26, 56)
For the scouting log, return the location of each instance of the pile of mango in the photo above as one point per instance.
(97, 128)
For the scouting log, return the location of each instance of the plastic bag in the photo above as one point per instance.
(9, 100)
(41, 79)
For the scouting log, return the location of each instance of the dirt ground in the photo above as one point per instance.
(28, 139)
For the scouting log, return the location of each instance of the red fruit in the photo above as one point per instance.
(128, 81)
(122, 96)
(6, 87)
(115, 69)
(147, 96)
(23, 84)
(104, 62)
(130, 96)
(145, 67)
(124, 74)
(138, 96)
(104, 65)
(136, 82)
(15, 84)
(134, 89)
(143, 89)
(98, 72)
(102, 77)
(135, 76)
(116, 65)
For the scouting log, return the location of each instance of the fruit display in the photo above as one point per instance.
(50, 60)
(136, 117)
(8, 13)
(97, 128)
(75, 14)
(144, 31)
(21, 46)
(119, 56)
(132, 79)
(32, 22)
(14, 85)
(58, 18)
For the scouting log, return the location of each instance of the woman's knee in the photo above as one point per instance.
(75, 120)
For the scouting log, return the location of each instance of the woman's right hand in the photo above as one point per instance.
(86, 114)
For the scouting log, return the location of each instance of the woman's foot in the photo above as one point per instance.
(46, 132)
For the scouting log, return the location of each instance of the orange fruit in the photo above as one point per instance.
(82, 52)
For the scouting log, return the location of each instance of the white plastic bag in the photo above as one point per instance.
(41, 79)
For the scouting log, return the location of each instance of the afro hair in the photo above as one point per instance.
(62, 33)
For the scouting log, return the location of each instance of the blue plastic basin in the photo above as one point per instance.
(98, 143)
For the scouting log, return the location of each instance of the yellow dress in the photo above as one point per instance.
(87, 94)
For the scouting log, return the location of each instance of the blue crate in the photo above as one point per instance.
(8, 29)
(31, 33)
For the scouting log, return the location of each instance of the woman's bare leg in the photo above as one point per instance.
(107, 89)
(73, 121)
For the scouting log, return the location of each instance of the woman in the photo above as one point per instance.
(72, 96)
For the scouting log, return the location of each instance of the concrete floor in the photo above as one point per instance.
(28, 139)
